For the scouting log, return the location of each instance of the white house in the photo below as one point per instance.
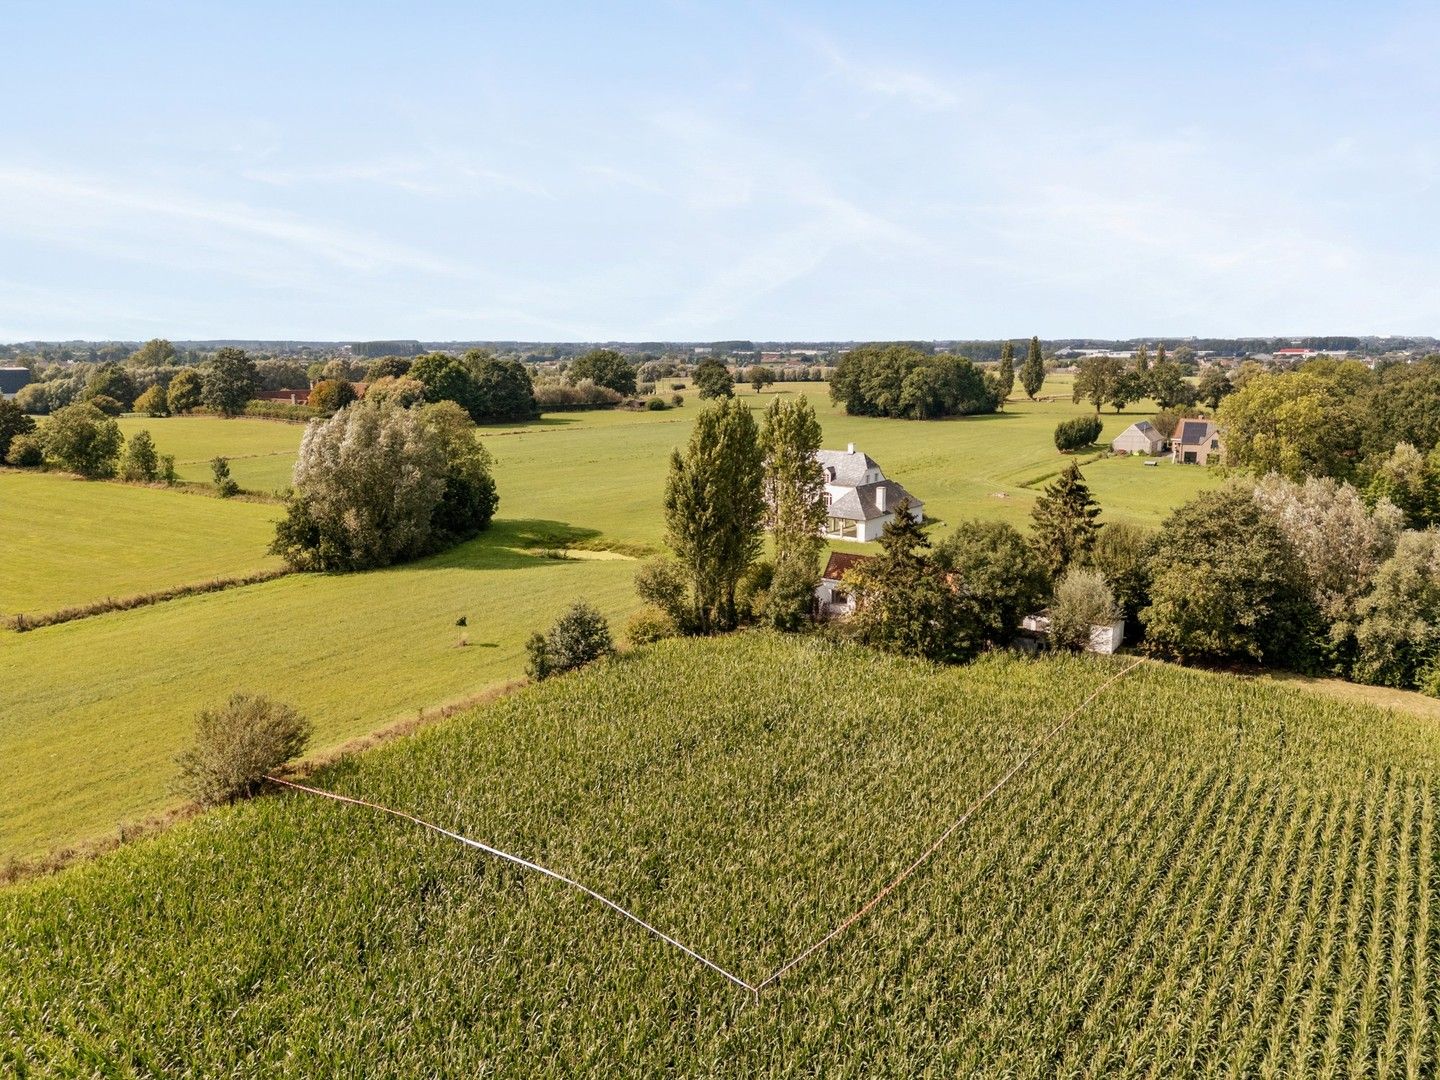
(859, 501)
(1139, 438)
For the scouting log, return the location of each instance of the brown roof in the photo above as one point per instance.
(840, 562)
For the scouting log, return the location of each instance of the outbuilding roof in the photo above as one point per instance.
(840, 562)
(13, 379)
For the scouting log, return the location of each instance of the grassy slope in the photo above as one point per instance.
(68, 542)
(90, 732)
(1203, 874)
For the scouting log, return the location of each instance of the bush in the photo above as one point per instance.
(153, 402)
(677, 400)
(281, 410)
(13, 422)
(578, 637)
(649, 625)
(330, 395)
(82, 439)
(656, 404)
(139, 462)
(1077, 433)
(225, 486)
(1082, 600)
(35, 399)
(236, 745)
(107, 405)
(559, 394)
(26, 452)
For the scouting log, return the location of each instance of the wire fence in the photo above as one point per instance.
(774, 977)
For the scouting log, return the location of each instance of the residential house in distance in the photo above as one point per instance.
(1139, 438)
(832, 599)
(859, 501)
(13, 380)
(1196, 442)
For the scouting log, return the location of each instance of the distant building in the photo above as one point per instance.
(859, 501)
(832, 599)
(1196, 442)
(1035, 633)
(284, 397)
(1139, 438)
(13, 380)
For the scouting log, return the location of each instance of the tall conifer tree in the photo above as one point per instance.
(1032, 372)
(1063, 522)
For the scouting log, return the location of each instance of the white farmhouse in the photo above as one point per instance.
(859, 501)
(1141, 438)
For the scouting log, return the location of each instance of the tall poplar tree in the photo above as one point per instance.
(1005, 372)
(1063, 522)
(714, 509)
(1032, 372)
(795, 508)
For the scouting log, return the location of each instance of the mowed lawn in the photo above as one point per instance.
(95, 710)
(261, 452)
(67, 541)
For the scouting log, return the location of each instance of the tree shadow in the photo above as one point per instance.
(510, 544)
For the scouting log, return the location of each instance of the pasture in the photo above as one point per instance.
(69, 542)
(105, 703)
(90, 730)
(1202, 875)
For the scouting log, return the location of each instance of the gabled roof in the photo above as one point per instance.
(840, 562)
(1195, 431)
(1144, 427)
(12, 379)
(861, 503)
(846, 468)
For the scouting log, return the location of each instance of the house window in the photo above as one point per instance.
(1214, 444)
(827, 500)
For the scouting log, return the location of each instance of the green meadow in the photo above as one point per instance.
(69, 542)
(91, 726)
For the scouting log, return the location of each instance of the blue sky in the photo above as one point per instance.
(694, 171)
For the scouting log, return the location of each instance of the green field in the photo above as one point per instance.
(1203, 875)
(91, 727)
(105, 703)
(69, 542)
(261, 452)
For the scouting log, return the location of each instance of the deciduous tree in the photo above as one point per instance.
(794, 497)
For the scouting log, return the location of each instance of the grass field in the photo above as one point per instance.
(261, 452)
(90, 729)
(1203, 875)
(70, 542)
(105, 703)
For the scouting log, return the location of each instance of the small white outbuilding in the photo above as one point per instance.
(1139, 438)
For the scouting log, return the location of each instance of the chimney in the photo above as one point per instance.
(849, 448)
(880, 499)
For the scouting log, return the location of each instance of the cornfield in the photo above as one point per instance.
(1202, 874)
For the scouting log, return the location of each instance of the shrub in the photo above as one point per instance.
(578, 637)
(139, 462)
(560, 394)
(13, 422)
(167, 469)
(1082, 600)
(661, 583)
(677, 400)
(648, 625)
(35, 399)
(281, 410)
(225, 486)
(236, 745)
(107, 404)
(330, 395)
(26, 452)
(153, 402)
(1077, 433)
(656, 404)
(82, 439)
